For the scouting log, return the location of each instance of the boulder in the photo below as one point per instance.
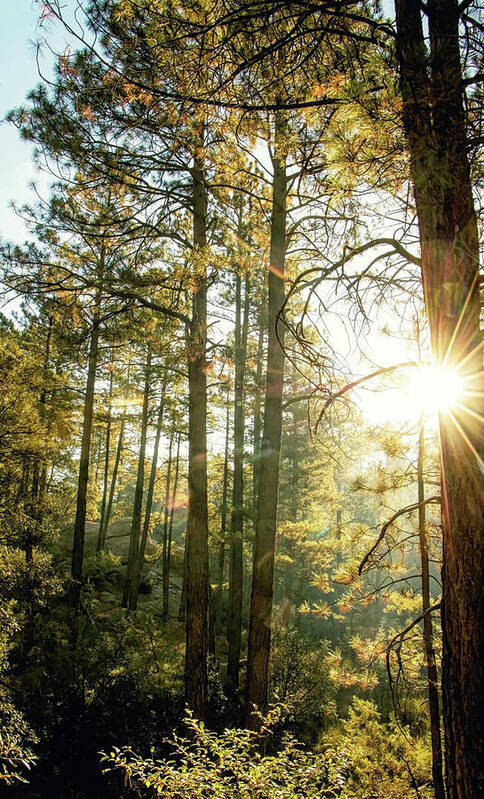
(117, 539)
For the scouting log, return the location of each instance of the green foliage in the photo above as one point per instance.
(229, 765)
(362, 758)
(19, 422)
(300, 679)
(384, 760)
(16, 758)
(36, 580)
(101, 567)
(16, 735)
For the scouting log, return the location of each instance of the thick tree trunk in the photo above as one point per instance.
(197, 523)
(83, 476)
(130, 594)
(264, 543)
(435, 126)
(236, 554)
(432, 678)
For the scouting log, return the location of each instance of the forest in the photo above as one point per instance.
(241, 473)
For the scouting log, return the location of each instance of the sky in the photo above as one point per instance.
(19, 33)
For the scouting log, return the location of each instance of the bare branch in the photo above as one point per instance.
(434, 500)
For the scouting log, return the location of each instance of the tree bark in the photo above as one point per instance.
(38, 462)
(35, 510)
(432, 678)
(197, 571)
(218, 599)
(130, 594)
(151, 485)
(257, 411)
(166, 514)
(264, 544)
(97, 451)
(107, 516)
(237, 519)
(182, 609)
(106, 465)
(83, 476)
(166, 583)
(435, 126)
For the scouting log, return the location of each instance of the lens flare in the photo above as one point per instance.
(435, 389)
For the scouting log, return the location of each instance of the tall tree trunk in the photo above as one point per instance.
(44, 469)
(264, 543)
(236, 554)
(289, 578)
(97, 451)
(151, 484)
(130, 594)
(435, 126)
(106, 463)
(257, 410)
(166, 510)
(83, 477)
(35, 510)
(211, 623)
(434, 712)
(182, 609)
(197, 522)
(218, 599)
(107, 516)
(38, 462)
(166, 583)
(44, 466)
(23, 486)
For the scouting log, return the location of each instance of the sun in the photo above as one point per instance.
(435, 389)
(410, 391)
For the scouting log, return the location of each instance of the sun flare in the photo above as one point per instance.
(425, 390)
(435, 389)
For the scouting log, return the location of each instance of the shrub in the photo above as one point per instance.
(229, 765)
(300, 679)
(384, 760)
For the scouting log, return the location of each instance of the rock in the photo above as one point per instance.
(117, 539)
(90, 539)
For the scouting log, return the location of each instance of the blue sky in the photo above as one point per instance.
(19, 33)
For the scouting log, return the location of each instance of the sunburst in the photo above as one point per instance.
(435, 389)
